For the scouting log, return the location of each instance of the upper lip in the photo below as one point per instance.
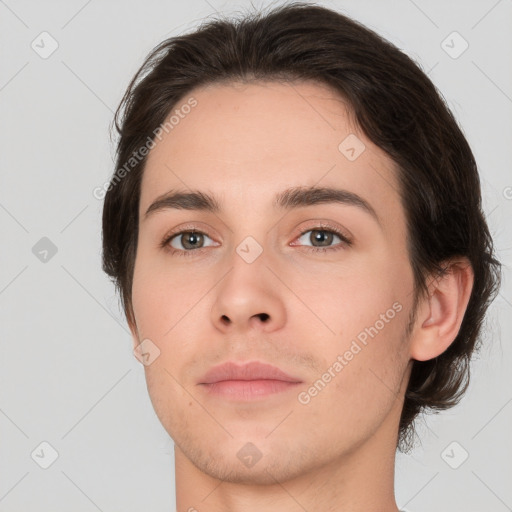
(254, 370)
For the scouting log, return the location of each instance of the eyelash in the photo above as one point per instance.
(345, 242)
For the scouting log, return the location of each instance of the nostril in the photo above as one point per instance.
(264, 316)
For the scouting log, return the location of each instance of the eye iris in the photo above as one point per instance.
(322, 237)
(191, 240)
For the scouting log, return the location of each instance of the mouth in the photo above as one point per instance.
(247, 381)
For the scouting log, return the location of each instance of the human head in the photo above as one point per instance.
(391, 101)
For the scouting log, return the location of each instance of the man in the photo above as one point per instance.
(296, 231)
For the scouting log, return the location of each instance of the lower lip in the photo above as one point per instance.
(248, 389)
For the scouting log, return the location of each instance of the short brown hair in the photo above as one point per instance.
(394, 103)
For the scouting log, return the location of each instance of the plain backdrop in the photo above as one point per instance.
(68, 378)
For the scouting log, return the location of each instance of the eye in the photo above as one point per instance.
(324, 238)
(186, 241)
(190, 241)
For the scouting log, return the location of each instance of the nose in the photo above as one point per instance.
(248, 298)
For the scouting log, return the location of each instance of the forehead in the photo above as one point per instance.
(245, 142)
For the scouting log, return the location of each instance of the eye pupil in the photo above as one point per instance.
(191, 240)
(322, 236)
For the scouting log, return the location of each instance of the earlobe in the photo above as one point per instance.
(440, 315)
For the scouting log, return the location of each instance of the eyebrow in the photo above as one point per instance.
(291, 198)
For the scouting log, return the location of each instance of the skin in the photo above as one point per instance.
(244, 143)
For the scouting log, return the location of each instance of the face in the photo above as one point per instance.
(317, 284)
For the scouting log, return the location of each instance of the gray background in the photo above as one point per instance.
(67, 373)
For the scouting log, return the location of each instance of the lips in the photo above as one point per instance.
(253, 371)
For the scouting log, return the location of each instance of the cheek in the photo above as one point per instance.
(167, 306)
(355, 294)
(160, 308)
(366, 310)
(162, 297)
(151, 305)
(364, 364)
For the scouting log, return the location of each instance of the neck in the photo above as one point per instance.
(358, 481)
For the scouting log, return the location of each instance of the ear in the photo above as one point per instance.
(440, 315)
